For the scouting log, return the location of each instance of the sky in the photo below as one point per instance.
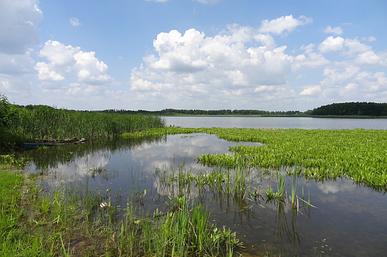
(193, 54)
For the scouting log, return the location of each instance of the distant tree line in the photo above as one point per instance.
(167, 112)
(336, 109)
(351, 108)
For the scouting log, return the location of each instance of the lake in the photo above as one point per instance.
(342, 219)
(273, 122)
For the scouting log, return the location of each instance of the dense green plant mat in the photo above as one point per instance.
(359, 154)
(71, 223)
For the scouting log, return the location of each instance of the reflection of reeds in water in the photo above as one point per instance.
(245, 188)
(284, 229)
(238, 182)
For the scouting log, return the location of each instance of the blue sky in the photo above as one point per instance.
(274, 55)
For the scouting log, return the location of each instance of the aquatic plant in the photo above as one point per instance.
(183, 231)
(360, 155)
(72, 223)
(159, 132)
(279, 194)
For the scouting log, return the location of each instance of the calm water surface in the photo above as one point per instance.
(274, 122)
(349, 220)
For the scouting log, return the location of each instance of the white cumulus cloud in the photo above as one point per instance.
(71, 63)
(347, 45)
(331, 44)
(237, 62)
(283, 24)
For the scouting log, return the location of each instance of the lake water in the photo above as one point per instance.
(273, 122)
(347, 220)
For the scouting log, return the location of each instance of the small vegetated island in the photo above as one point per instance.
(62, 223)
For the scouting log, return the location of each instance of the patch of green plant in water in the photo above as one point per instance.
(280, 193)
(358, 154)
(182, 231)
(159, 132)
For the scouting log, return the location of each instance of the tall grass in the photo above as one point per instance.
(46, 123)
(182, 231)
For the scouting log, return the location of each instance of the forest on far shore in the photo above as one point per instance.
(335, 109)
(353, 108)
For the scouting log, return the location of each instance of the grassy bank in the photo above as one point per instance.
(68, 223)
(360, 155)
(20, 123)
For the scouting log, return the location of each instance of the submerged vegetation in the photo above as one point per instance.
(360, 155)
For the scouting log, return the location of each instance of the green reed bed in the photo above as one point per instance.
(39, 122)
(358, 154)
(42, 122)
(70, 223)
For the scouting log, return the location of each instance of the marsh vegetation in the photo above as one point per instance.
(360, 155)
(76, 223)
(38, 122)
(199, 192)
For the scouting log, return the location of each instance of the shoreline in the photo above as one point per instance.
(277, 116)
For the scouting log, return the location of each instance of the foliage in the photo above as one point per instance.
(336, 109)
(10, 161)
(352, 108)
(168, 112)
(7, 138)
(43, 122)
(159, 132)
(4, 111)
(20, 123)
